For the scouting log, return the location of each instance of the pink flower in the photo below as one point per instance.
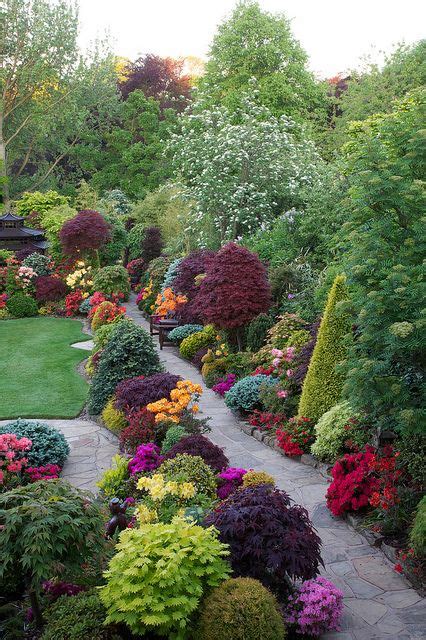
(282, 393)
(276, 362)
(277, 353)
(289, 373)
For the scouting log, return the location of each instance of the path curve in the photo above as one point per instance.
(379, 603)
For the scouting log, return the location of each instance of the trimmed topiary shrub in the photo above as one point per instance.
(418, 530)
(270, 539)
(20, 305)
(322, 386)
(159, 574)
(172, 437)
(129, 352)
(240, 608)
(245, 394)
(180, 333)
(334, 429)
(135, 393)
(257, 331)
(50, 288)
(198, 445)
(112, 279)
(186, 468)
(78, 617)
(114, 419)
(254, 478)
(193, 343)
(48, 445)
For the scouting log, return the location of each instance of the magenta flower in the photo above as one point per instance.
(315, 608)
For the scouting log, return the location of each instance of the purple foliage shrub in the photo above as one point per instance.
(135, 393)
(50, 288)
(193, 265)
(198, 445)
(304, 356)
(197, 360)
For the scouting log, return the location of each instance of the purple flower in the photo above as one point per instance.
(147, 458)
(315, 608)
(230, 479)
(290, 296)
(224, 384)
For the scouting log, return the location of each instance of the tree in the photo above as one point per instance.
(240, 169)
(235, 289)
(254, 43)
(87, 232)
(152, 244)
(193, 265)
(322, 386)
(132, 158)
(383, 248)
(51, 97)
(160, 78)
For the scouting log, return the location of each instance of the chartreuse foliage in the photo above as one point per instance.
(196, 341)
(331, 433)
(114, 419)
(159, 575)
(113, 482)
(323, 385)
(45, 523)
(418, 531)
(240, 608)
(80, 617)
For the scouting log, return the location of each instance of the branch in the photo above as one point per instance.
(57, 161)
(26, 158)
(21, 126)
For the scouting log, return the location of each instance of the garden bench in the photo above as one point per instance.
(164, 328)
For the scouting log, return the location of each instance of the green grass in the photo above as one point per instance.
(38, 368)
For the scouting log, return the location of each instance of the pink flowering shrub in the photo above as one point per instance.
(353, 483)
(12, 459)
(230, 480)
(224, 384)
(315, 608)
(147, 458)
(46, 472)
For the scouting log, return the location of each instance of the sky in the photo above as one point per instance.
(335, 33)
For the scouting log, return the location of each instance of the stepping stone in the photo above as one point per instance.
(86, 345)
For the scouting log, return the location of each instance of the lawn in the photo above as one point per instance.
(38, 368)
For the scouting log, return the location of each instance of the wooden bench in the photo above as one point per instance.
(154, 321)
(164, 328)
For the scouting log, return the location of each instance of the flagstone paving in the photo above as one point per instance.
(379, 603)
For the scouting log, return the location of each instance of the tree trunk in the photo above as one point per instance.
(35, 604)
(4, 184)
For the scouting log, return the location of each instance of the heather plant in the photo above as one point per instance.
(112, 279)
(315, 608)
(189, 468)
(129, 352)
(240, 608)
(180, 333)
(80, 617)
(49, 445)
(245, 394)
(196, 341)
(174, 434)
(167, 568)
(39, 263)
(338, 431)
(20, 305)
(322, 386)
(199, 445)
(138, 392)
(269, 539)
(66, 519)
(113, 482)
(113, 419)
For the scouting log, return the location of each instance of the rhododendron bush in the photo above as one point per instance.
(315, 608)
(353, 483)
(12, 455)
(295, 436)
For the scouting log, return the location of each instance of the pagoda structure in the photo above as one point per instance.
(15, 236)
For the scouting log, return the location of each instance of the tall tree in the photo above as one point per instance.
(254, 43)
(160, 78)
(50, 97)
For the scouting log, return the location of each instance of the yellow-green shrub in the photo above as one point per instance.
(418, 531)
(193, 343)
(253, 478)
(114, 420)
(323, 385)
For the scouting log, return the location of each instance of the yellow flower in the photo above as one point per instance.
(195, 408)
(145, 515)
(187, 490)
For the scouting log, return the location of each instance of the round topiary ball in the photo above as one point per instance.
(48, 445)
(20, 305)
(188, 468)
(240, 608)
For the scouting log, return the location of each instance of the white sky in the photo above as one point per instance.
(335, 33)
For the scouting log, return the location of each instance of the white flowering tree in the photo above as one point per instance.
(241, 169)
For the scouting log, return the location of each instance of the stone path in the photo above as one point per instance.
(379, 603)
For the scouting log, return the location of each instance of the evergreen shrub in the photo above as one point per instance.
(20, 305)
(49, 445)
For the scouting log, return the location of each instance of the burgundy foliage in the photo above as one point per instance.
(193, 265)
(152, 244)
(197, 359)
(235, 289)
(87, 231)
(135, 393)
(158, 78)
(198, 445)
(141, 430)
(50, 288)
(304, 356)
(24, 253)
(270, 539)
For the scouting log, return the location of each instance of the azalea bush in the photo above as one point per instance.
(168, 303)
(12, 458)
(224, 384)
(295, 436)
(353, 483)
(269, 538)
(229, 481)
(49, 445)
(106, 313)
(147, 458)
(183, 397)
(44, 472)
(39, 263)
(315, 608)
(266, 420)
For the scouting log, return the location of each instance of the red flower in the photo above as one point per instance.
(398, 567)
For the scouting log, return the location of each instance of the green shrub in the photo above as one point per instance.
(322, 386)
(245, 394)
(193, 343)
(103, 334)
(331, 434)
(173, 435)
(188, 468)
(240, 608)
(38, 201)
(241, 363)
(4, 256)
(257, 331)
(112, 279)
(20, 305)
(39, 263)
(48, 444)
(299, 338)
(130, 352)
(412, 449)
(159, 575)
(418, 530)
(113, 482)
(113, 250)
(114, 419)
(78, 617)
(180, 333)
